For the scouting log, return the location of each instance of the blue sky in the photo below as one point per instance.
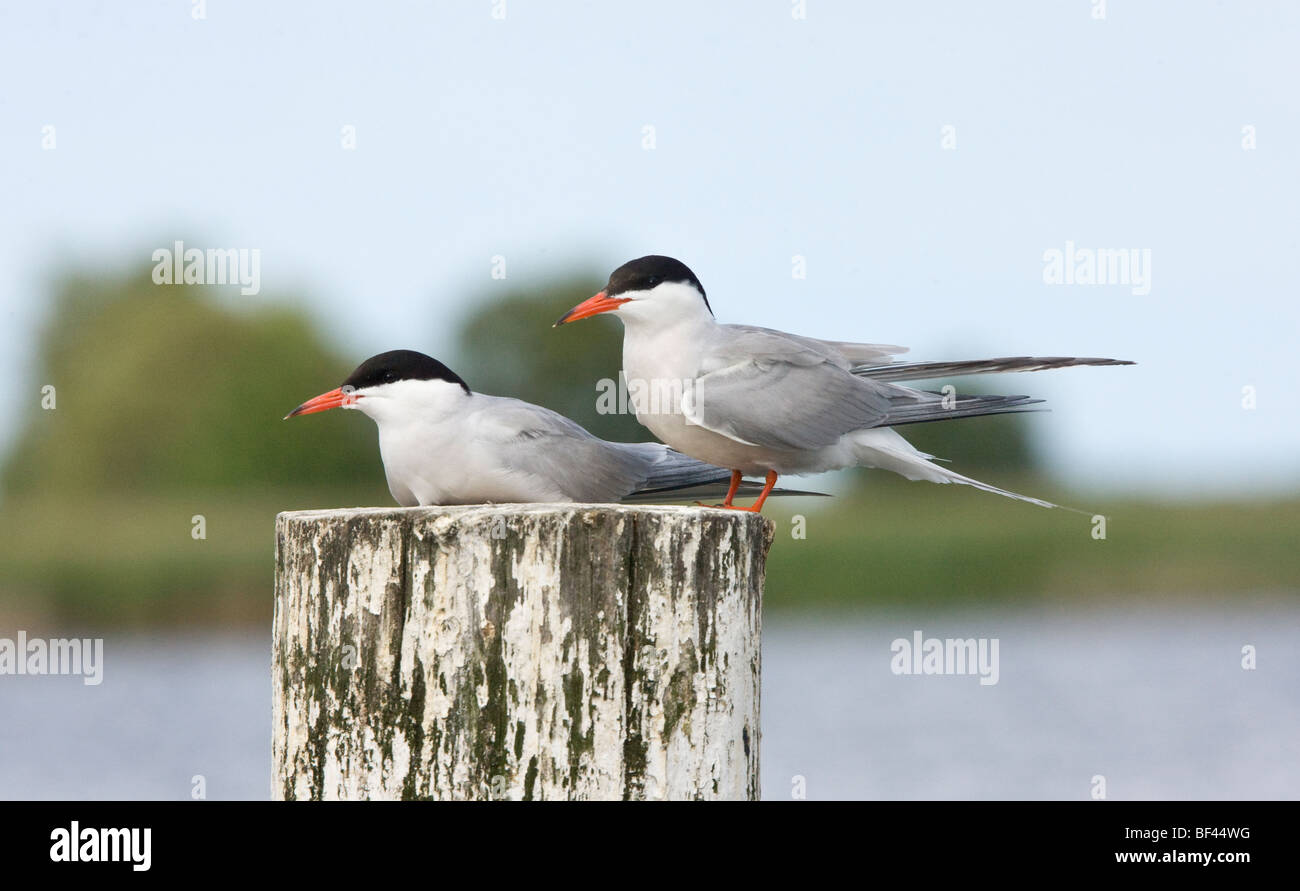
(523, 137)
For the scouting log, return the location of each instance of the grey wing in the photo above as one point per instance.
(865, 353)
(561, 454)
(840, 352)
(786, 392)
(780, 391)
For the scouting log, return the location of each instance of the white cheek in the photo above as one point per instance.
(370, 406)
(670, 301)
(633, 309)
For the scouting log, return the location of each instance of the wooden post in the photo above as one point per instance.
(517, 652)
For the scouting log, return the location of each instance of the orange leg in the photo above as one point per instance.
(767, 490)
(757, 506)
(731, 492)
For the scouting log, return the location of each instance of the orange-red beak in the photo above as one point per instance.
(595, 306)
(324, 402)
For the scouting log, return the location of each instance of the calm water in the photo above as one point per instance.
(1157, 703)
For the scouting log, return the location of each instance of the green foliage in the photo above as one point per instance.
(130, 560)
(908, 545)
(161, 389)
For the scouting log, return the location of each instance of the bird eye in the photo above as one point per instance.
(652, 281)
(389, 377)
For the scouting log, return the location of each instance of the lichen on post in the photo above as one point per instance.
(518, 652)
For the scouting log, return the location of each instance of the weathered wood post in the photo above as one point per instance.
(517, 652)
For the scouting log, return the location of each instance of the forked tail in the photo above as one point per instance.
(886, 449)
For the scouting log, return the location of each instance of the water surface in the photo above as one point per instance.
(1155, 702)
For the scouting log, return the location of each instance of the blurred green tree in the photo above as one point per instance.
(162, 388)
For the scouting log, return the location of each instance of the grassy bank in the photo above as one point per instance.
(133, 561)
(907, 543)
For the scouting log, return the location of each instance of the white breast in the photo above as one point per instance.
(664, 363)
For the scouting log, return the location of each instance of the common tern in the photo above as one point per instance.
(441, 443)
(764, 402)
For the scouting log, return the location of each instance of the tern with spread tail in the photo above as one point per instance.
(766, 403)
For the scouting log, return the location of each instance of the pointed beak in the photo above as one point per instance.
(324, 402)
(595, 306)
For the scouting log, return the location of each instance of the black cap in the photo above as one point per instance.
(401, 365)
(644, 273)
